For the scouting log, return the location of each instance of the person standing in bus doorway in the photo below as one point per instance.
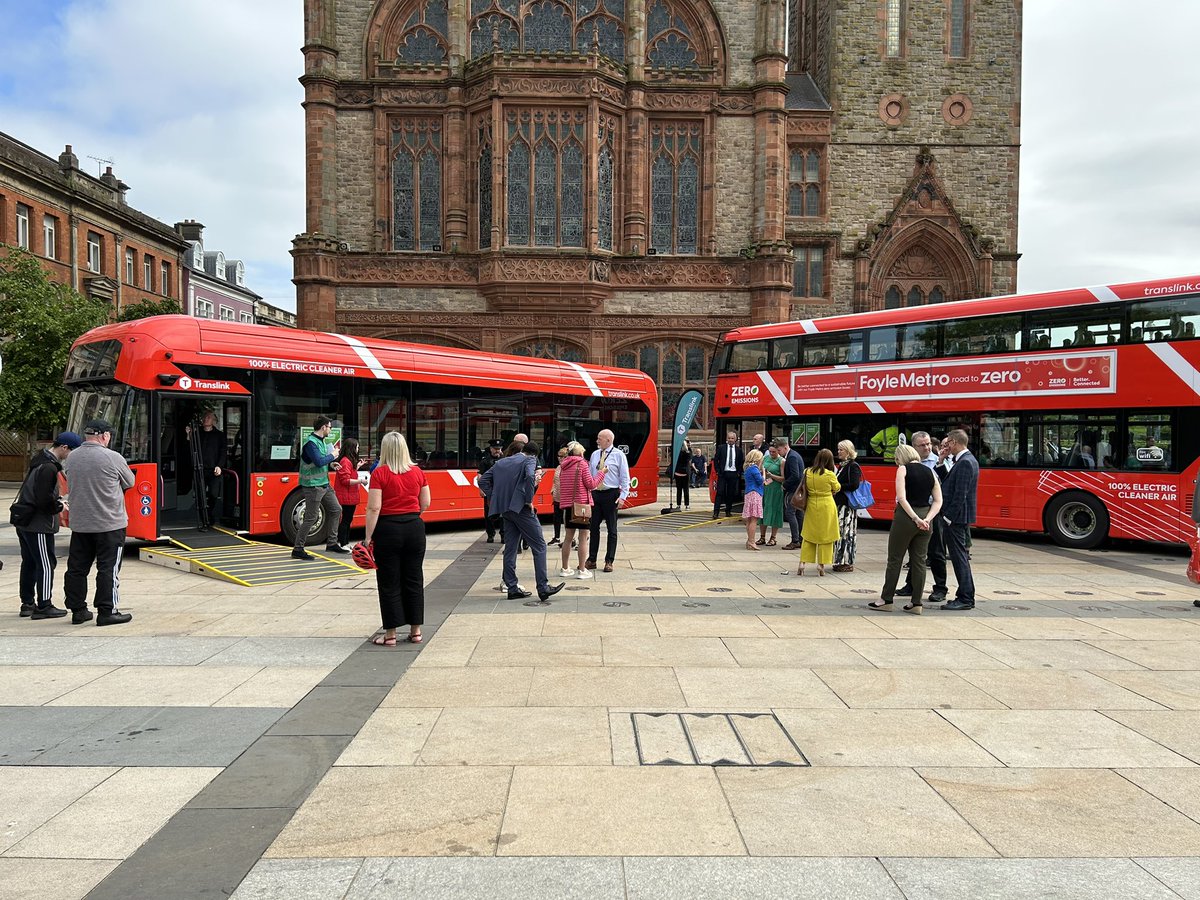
(396, 535)
(728, 461)
(958, 512)
(793, 471)
(315, 465)
(510, 486)
(39, 492)
(214, 451)
(611, 468)
(494, 453)
(97, 479)
(849, 476)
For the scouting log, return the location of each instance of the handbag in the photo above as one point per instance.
(800, 495)
(581, 513)
(1193, 567)
(861, 497)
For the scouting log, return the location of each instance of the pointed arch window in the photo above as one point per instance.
(484, 180)
(545, 178)
(670, 43)
(915, 297)
(605, 183)
(675, 366)
(937, 295)
(416, 184)
(804, 182)
(548, 26)
(675, 149)
(891, 299)
(548, 350)
(423, 40)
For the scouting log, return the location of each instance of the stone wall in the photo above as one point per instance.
(352, 19)
(427, 299)
(679, 303)
(734, 184)
(356, 178)
(738, 19)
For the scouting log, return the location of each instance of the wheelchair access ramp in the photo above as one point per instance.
(229, 557)
(680, 520)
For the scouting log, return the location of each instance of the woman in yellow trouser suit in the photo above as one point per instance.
(820, 530)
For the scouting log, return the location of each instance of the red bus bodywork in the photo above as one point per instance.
(1143, 505)
(157, 352)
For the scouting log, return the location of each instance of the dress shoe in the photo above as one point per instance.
(336, 548)
(794, 545)
(937, 596)
(590, 564)
(905, 591)
(491, 539)
(79, 616)
(608, 567)
(551, 590)
(112, 618)
(843, 567)
(959, 605)
(27, 610)
(49, 611)
(302, 554)
(519, 595)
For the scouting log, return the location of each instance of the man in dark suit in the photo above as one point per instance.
(727, 463)
(958, 512)
(793, 471)
(509, 486)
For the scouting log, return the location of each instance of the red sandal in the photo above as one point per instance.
(382, 640)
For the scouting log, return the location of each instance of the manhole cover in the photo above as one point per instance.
(862, 591)
(791, 590)
(646, 588)
(1011, 593)
(777, 606)
(1018, 608)
(719, 590)
(1097, 608)
(1152, 593)
(695, 605)
(1175, 608)
(615, 603)
(536, 603)
(1080, 594)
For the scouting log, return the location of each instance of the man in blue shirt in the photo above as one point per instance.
(609, 464)
(315, 464)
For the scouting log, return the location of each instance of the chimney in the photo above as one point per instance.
(109, 178)
(190, 230)
(68, 160)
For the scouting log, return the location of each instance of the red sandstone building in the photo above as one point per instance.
(619, 181)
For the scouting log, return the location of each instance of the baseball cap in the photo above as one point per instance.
(97, 426)
(68, 439)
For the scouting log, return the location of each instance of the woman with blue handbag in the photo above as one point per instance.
(849, 476)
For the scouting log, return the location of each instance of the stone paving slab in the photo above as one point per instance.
(1181, 875)
(719, 878)
(1178, 788)
(51, 879)
(37, 685)
(275, 772)
(30, 796)
(905, 689)
(1056, 689)
(1019, 879)
(331, 710)
(286, 652)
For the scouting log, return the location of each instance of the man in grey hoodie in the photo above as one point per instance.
(97, 479)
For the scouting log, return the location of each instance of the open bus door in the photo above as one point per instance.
(183, 484)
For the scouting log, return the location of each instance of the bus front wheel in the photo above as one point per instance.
(292, 518)
(1076, 519)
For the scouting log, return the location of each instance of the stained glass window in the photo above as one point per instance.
(518, 194)
(554, 26)
(915, 298)
(937, 295)
(416, 184)
(808, 272)
(553, 188)
(668, 39)
(804, 177)
(627, 360)
(604, 198)
(664, 361)
(572, 195)
(892, 298)
(485, 185)
(675, 186)
(958, 28)
(424, 37)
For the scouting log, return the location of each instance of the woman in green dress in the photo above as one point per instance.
(773, 498)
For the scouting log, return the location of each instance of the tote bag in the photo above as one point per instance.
(861, 497)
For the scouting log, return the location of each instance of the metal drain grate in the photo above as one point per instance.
(713, 739)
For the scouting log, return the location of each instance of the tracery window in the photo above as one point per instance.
(423, 39)
(416, 184)
(808, 272)
(606, 183)
(804, 182)
(545, 177)
(669, 40)
(554, 26)
(549, 350)
(958, 28)
(676, 366)
(894, 28)
(675, 155)
(484, 180)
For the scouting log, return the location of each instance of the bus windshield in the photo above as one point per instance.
(126, 409)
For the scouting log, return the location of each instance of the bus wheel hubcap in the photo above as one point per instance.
(1076, 520)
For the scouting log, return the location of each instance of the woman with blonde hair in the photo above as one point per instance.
(820, 529)
(752, 502)
(396, 498)
(918, 500)
(849, 475)
(575, 484)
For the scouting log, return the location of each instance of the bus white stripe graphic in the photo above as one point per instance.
(874, 406)
(369, 359)
(807, 326)
(775, 391)
(1176, 363)
(587, 378)
(1103, 293)
(459, 478)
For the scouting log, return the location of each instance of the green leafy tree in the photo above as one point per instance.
(39, 320)
(143, 309)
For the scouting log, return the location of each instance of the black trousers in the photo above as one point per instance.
(212, 492)
(102, 548)
(604, 509)
(957, 537)
(489, 523)
(559, 520)
(936, 557)
(400, 556)
(728, 492)
(343, 534)
(37, 567)
(681, 491)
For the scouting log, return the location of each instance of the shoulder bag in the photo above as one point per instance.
(800, 495)
(581, 513)
(861, 497)
(21, 512)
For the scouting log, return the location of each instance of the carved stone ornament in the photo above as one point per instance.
(535, 270)
(735, 103)
(399, 270)
(808, 125)
(686, 274)
(353, 96)
(691, 101)
(914, 264)
(413, 96)
(957, 109)
(573, 322)
(893, 109)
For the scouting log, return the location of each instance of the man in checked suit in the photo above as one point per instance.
(727, 463)
(509, 486)
(958, 512)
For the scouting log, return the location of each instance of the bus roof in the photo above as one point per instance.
(962, 309)
(193, 341)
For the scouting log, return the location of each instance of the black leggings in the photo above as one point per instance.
(400, 555)
(559, 519)
(681, 491)
(343, 535)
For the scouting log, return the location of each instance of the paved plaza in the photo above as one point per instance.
(699, 724)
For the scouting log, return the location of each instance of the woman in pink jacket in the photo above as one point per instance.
(575, 483)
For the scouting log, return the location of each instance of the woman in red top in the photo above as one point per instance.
(396, 498)
(346, 487)
(575, 483)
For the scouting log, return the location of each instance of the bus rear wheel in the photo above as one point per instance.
(1076, 519)
(292, 518)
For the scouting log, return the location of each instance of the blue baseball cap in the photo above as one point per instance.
(68, 439)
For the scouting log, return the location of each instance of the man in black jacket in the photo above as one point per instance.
(493, 455)
(214, 452)
(40, 492)
(727, 462)
(793, 471)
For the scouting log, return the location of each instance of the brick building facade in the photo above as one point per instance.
(214, 287)
(82, 229)
(619, 181)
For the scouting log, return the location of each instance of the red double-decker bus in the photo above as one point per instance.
(151, 378)
(1081, 405)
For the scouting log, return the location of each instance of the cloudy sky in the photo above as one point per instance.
(198, 106)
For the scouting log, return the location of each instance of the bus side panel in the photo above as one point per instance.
(141, 503)
(1143, 506)
(268, 491)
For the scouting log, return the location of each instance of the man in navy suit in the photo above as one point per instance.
(958, 512)
(509, 486)
(727, 461)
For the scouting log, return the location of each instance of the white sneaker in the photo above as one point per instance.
(565, 573)
(584, 574)
(504, 587)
